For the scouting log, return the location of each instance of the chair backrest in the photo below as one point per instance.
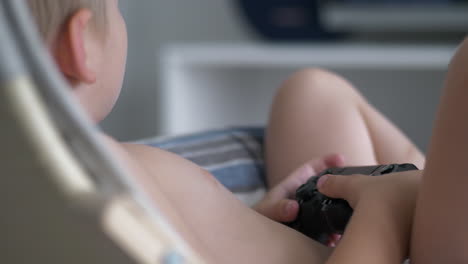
(64, 198)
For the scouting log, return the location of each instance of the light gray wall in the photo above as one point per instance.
(152, 24)
(155, 23)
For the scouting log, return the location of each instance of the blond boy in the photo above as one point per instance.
(88, 41)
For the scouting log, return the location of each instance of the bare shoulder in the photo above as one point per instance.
(161, 163)
(152, 156)
(153, 160)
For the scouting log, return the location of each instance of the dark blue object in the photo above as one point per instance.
(285, 20)
(407, 2)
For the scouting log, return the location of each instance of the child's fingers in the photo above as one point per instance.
(284, 210)
(334, 160)
(278, 205)
(334, 240)
(288, 186)
(344, 187)
(287, 210)
(329, 161)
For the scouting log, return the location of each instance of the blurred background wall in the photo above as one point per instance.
(153, 24)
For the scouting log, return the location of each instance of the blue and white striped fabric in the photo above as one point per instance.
(234, 156)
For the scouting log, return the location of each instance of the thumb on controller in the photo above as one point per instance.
(340, 186)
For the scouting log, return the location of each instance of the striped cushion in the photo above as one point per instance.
(234, 156)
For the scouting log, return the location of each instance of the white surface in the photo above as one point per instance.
(209, 86)
(397, 18)
(325, 55)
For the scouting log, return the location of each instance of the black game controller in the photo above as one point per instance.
(321, 216)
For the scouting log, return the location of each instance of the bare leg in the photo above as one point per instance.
(440, 225)
(316, 113)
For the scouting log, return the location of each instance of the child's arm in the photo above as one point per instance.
(379, 230)
(441, 218)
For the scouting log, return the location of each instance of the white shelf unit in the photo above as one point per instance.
(397, 18)
(206, 86)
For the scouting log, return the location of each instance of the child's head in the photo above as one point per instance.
(88, 41)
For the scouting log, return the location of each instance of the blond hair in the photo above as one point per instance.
(50, 15)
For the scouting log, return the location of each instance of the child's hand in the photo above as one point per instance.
(279, 204)
(394, 193)
(393, 189)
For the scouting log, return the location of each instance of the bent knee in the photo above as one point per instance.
(316, 83)
(460, 59)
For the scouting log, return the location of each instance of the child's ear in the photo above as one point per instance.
(70, 48)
